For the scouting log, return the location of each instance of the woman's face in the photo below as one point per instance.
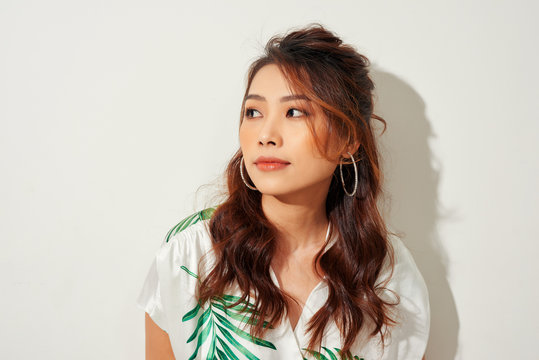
(275, 124)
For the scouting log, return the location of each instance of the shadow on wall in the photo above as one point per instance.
(413, 209)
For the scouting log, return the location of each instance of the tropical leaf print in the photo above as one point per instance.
(190, 220)
(213, 324)
(331, 355)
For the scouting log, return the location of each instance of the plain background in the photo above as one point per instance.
(113, 113)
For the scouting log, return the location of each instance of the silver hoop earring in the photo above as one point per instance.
(243, 178)
(355, 174)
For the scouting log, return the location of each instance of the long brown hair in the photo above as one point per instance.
(335, 77)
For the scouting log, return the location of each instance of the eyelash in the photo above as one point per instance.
(248, 112)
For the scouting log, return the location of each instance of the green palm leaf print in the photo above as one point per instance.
(214, 324)
(331, 355)
(190, 220)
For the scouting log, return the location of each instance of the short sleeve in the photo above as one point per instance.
(150, 299)
(408, 339)
(170, 285)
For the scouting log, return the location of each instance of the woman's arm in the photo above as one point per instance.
(157, 341)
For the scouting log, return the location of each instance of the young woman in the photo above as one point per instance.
(297, 262)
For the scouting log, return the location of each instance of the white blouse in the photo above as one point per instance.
(213, 332)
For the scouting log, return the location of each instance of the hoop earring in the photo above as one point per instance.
(355, 175)
(243, 178)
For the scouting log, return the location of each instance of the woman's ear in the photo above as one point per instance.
(352, 149)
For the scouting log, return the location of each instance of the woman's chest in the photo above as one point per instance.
(298, 282)
(221, 329)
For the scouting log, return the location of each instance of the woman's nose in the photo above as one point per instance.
(270, 132)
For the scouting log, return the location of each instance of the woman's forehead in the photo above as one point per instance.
(271, 79)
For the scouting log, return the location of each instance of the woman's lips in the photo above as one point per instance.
(269, 166)
(270, 163)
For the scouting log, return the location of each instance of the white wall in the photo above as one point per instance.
(113, 113)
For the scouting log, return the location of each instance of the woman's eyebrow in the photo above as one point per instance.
(283, 99)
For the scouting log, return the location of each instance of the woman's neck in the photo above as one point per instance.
(302, 225)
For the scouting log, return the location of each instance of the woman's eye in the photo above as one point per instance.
(296, 112)
(250, 113)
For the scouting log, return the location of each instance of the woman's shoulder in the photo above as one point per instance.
(413, 310)
(190, 226)
(405, 273)
(188, 240)
(174, 268)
